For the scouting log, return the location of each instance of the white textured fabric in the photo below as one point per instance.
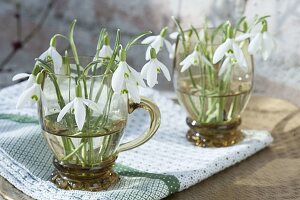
(168, 152)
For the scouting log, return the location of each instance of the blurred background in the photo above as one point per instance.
(27, 26)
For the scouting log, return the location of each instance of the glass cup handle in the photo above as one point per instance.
(154, 113)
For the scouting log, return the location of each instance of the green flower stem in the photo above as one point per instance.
(192, 79)
(106, 109)
(67, 142)
(73, 152)
(102, 149)
(73, 46)
(99, 92)
(224, 87)
(87, 123)
(179, 28)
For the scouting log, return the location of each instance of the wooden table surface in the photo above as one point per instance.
(273, 173)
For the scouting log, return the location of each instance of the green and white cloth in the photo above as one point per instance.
(168, 163)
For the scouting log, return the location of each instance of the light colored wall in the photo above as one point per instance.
(278, 77)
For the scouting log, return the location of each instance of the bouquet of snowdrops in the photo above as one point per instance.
(214, 65)
(126, 81)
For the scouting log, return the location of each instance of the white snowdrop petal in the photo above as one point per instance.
(79, 112)
(172, 55)
(221, 50)
(118, 77)
(105, 51)
(224, 66)
(147, 55)
(174, 35)
(164, 69)
(185, 67)
(152, 76)
(188, 59)
(149, 39)
(267, 45)
(137, 76)
(25, 97)
(20, 76)
(255, 44)
(44, 55)
(57, 60)
(30, 81)
(239, 55)
(145, 70)
(169, 47)
(63, 112)
(243, 37)
(207, 62)
(133, 92)
(91, 104)
(157, 44)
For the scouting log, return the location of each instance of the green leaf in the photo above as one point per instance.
(135, 39)
(196, 32)
(240, 21)
(115, 52)
(72, 43)
(100, 40)
(45, 65)
(216, 31)
(259, 20)
(87, 68)
(179, 28)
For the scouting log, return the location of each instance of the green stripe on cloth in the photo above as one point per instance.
(171, 181)
(19, 118)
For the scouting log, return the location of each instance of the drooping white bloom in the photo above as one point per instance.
(230, 46)
(152, 68)
(193, 59)
(229, 60)
(105, 52)
(172, 53)
(126, 80)
(157, 42)
(78, 104)
(55, 57)
(32, 95)
(30, 81)
(174, 35)
(262, 42)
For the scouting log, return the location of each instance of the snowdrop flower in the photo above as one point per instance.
(261, 41)
(52, 55)
(174, 35)
(172, 53)
(152, 68)
(32, 94)
(229, 60)
(31, 77)
(78, 104)
(106, 51)
(230, 46)
(126, 80)
(157, 43)
(194, 59)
